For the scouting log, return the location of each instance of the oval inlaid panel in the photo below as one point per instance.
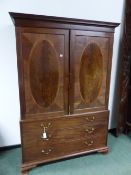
(44, 73)
(91, 73)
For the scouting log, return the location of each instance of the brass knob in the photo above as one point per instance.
(90, 130)
(89, 143)
(46, 152)
(90, 119)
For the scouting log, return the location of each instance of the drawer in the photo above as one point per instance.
(69, 121)
(50, 151)
(61, 135)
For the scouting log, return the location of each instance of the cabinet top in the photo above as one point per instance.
(32, 20)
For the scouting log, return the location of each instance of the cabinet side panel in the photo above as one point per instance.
(20, 71)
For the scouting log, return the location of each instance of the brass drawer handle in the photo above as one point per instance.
(46, 152)
(90, 143)
(90, 130)
(45, 126)
(90, 119)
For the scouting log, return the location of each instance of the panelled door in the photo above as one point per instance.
(45, 71)
(89, 67)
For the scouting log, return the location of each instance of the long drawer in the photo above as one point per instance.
(71, 121)
(42, 134)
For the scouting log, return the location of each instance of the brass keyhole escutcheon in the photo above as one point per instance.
(45, 135)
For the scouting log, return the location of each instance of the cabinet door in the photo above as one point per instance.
(90, 63)
(45, 71)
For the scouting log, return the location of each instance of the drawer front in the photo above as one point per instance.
(70, 121)
(50, 151)
(81, 131)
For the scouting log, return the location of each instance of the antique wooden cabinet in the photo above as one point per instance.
(64, 76)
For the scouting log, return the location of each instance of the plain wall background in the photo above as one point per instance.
(101, 10)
